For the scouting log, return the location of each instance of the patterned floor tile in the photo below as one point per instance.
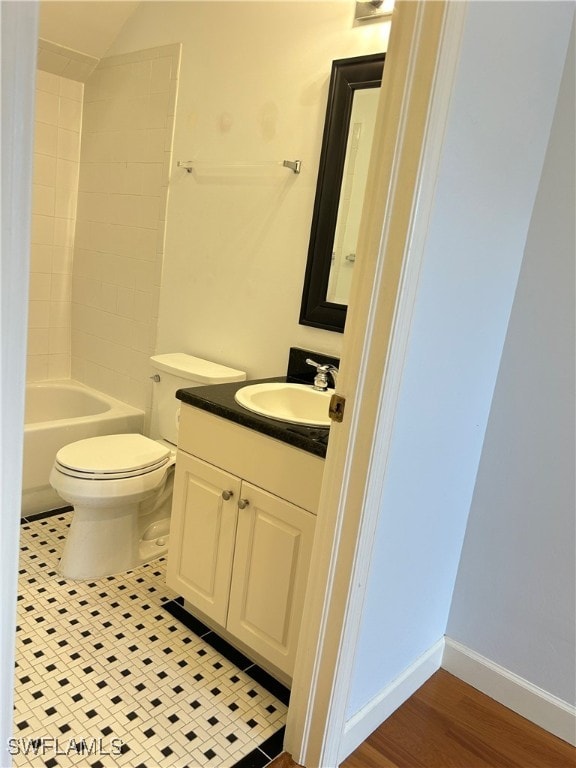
(106, 677)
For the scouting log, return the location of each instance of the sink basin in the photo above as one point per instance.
(295, 403)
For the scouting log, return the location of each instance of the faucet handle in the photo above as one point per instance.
(321, 379)
(322, 367)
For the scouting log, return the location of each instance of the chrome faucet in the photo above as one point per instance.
(322, 371)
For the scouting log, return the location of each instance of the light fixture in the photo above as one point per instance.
(373, 9)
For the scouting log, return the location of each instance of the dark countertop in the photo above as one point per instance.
(219, 400)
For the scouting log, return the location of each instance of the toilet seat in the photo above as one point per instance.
(112, 457)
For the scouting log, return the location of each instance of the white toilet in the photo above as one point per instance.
(121, 485)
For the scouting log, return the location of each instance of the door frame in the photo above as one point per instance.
(421, 64)
(19, 35)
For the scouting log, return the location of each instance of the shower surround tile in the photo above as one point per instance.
(58, 122)
(127, 132)
(106, 677)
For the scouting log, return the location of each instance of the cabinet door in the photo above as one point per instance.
(273, 547)
(202, 533)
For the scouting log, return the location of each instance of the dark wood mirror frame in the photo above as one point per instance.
(348, 75)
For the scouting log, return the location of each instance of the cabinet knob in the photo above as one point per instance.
(226, 495)
(243, 503)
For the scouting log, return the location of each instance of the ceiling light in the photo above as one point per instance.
(373, 9)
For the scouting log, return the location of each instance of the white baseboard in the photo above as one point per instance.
(361, 725)
(514, 692)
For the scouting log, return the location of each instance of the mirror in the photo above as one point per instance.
(346, 144)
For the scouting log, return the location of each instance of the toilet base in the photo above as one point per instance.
(108, 537)
(98, 560)
(95, 548)
(154, 549)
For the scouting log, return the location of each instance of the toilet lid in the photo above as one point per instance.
(112, 456)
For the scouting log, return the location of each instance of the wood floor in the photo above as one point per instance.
(448, 724)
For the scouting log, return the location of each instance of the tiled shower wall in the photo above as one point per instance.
(129, 106)
(56, 164)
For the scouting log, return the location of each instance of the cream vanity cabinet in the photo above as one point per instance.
(243, 520)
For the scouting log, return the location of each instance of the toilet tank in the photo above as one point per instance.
(180, 371)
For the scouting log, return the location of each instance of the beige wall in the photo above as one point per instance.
(253, 86)
(126, 141)
(56, 163)
(89, 27)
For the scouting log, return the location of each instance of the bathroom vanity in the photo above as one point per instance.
(246, 494)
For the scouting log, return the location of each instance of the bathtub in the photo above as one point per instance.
(58, 413)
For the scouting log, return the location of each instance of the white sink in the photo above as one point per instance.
(295, 403)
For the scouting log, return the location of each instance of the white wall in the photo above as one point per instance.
(58, 121)
(502, 107)
(514, 601)
(254, 81)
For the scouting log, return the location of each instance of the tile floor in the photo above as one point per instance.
(107, 674)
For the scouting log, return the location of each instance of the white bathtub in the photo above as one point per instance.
(58, 413)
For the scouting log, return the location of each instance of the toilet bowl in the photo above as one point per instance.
(121, 489)
(121, 485)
